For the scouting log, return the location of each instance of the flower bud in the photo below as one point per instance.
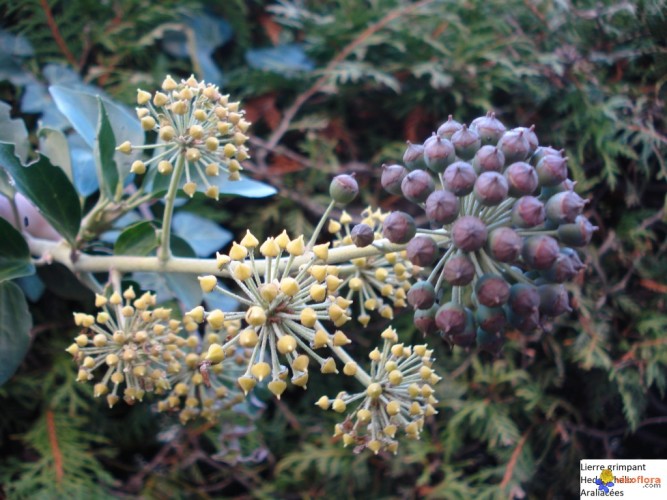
(492, 290)
(362, 235)
(491, 342)
(451, 318)
(488, 128)
(554, 300)
(417, 186)
(490, 188)
(413, 157)
(399, 227)
(458, 270)
(527, 212)
(442, 207)
(447, 129)
(566, 266)
(421, 295)
(424, 320)
(469, 233)
(543, 151)
(466, 142)
(488, 159)
(531, 137)
(422, 250)
(459, 178)
(524, 299)
(491, 319)
(564, 207)
(540, 252)
(438, 153)
(392, 177)
(343, 189)
(504, 244)
(551, 170)
(514, 146)
(577, 234)
(522, 179)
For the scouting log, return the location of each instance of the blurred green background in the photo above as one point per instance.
(338, 86)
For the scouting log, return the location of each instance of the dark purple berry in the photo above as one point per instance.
(564, 207)
(504, 244)
(524, 299)
(566, 267)
(491, 319)
(578, 233)
(540, 252)
(438, 153)
(543, 151)
(490, 188)
(521, 178)
(469, 233)
(442, 207)
(414, 156)
(488, 128)
(531, 137)
(466, 143)
(548, 191)
(527, 212)
(447, 129)
(343, 189)
(422, 250)
(465, 338)
(491, 342)
(362, 235)
(551, 170)
(554, 300)
(488, 159)
(417, 185)
(424, 320)
(458, 270)
(460, 178)
(421, 295)
(525, 323)
(514, 145)
(492, 290)
(392, 176)
(399, 227)
(451, 318)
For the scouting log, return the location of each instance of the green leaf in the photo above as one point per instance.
(53, 144)
(14, 253)
(105, 146)
(48, 188)
(14, 329)
(138, 239)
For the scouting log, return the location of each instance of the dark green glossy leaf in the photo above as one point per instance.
(14, 253)
(138, 239)
(48, 188)
(53, 145)
(14, 131)
(105, 146)
(14, 329)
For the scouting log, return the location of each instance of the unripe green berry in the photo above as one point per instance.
(343, 189)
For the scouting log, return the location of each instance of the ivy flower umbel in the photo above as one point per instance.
(197, 127)
(199, 387)
(285, 307)
(372, 280)
(398, 397)
(131, 338)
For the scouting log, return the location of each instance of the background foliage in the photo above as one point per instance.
(338, 86)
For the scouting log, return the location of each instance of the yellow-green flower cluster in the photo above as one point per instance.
(130, 340)
(398, 397)
(201, 386)
(197, 125)
(371, 281)
(285, 303)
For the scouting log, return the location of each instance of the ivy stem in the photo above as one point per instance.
(320, 225)
(164, 252)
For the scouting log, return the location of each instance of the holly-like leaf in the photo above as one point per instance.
(138, 239)
(14, 329)
(14, 253)
(48, 188)
(105, 145)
